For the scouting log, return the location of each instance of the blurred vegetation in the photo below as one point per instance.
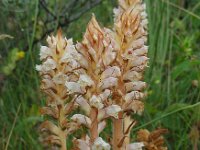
(173, 75)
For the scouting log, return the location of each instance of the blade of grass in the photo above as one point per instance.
(185, 10)
(166, 115)
(11, 131)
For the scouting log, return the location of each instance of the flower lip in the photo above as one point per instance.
(113, 110)
(100, 144)
(95, 101)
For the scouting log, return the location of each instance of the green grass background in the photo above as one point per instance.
(173, 99)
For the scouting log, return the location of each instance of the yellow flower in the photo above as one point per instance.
(20, 55)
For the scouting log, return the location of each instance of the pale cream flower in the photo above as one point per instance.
(113, 110)
(101, 126)
(144, 23)
(134, 95)
(82, 144)
(133, 75)
(74, 87)
(135, 86)
(135, 146)
(47, 84)
(45, 52)
(96, 102)
(111, 72)
(117, 12)
(81, 119)
(49, 64)
(70, 46)
(83, 103)
(105, 95)
(135, 106)
(72, 64)
(108, 83)
(109, 55)
(137, 61)
(85, 80)
(57, 42)
(60, 78)
(52, 41)
(100, 144)
(141, 51)
(144, 15)
(137, 44)
(70, 52)
(38, 67)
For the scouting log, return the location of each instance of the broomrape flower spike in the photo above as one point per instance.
(103, 76)
(53, 72)
(130, 31)
(98, 79)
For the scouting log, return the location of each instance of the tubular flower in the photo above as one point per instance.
(84, 144)
(100, 144)
(53, 72)
(135, 146)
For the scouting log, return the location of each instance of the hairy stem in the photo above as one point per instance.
(94, 126)
(118, 132)
(127, 122)
(63, 143)
(62, 134)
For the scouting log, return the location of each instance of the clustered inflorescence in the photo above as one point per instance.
(103, 76)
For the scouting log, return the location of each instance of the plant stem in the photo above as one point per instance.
(118, 132)
(127, 122)
(63, 142)
(94, 125)
(62, 134)
(11, 131)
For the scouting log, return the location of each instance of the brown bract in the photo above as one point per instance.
(152, 140)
